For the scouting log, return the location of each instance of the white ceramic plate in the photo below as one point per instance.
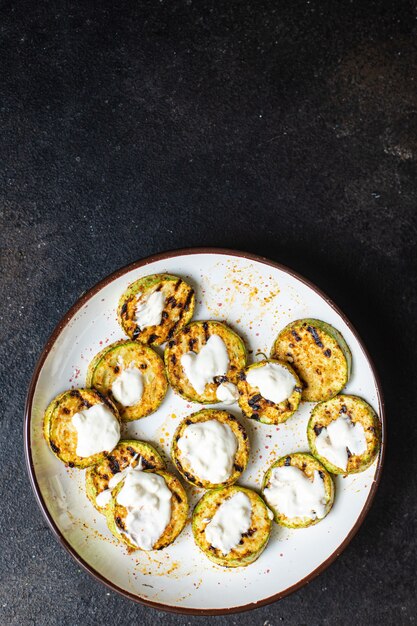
(257, 298)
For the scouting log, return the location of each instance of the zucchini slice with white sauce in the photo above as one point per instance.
(155, 307)
(270, 391)
(231, 526)
(133, 375)
(299, 490)
(204, 361)
(344, 433)
(81, 427)
(148, 509)
(210, 448)
(103, 477)
(318, 353)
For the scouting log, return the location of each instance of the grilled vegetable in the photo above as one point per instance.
(191, 339)
(127, 453)
(309, 465)
(177, 310)
(253, 541)
(116, 514)
(241, 456)
(256, 407)
(61, 434)
(319, 355)
(358, 411)
(109, 364)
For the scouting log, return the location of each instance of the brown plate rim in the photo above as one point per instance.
(87, 295)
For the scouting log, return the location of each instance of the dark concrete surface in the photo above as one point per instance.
(287, 129)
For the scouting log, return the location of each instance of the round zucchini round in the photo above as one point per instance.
(307, 464)
(108, 364)
(358, 411)
(116, 513)
(256, 407)
(318, 353)
(178, 307)
(191, 339)
(97, 478)
(241, 456)
(252, 543)
(61, 434)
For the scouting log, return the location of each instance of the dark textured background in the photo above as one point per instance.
(283, 128)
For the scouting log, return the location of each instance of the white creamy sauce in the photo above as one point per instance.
(148, 502)
(231, 520)
(149, 310)
(212, 360)
(128, 386)
(97, 429)
(293, 494)
(275, 382)
(209, 449)
(334, 440)
(103, 498)
(227, 393)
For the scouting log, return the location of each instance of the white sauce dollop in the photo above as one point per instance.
(231, 520)
(333, 441)
(103, 498)
(275, 382)
(227, 393)
(212, 360)
(98, 430)
(209, 448)
(148, 502)
(149, 310)
(128, 386)
(293, 494)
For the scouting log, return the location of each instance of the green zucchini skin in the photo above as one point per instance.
(59, 432)
(116, 514)
(241, 456)
(308, 464)
(97, 477)
(318, 353)
(255, 407)
(192, 338)
(358, 410)
(104, 369)
(178, 309)
(253, 542)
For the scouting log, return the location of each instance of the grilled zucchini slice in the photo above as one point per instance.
(358, 411)
(97, 478)
(108, 364)
(309, 465)
(116, 514)
(256, 407)
(61, 434)
(252, 542)
(191, 339)
(241, 456)
(178, 307)
(319, 355)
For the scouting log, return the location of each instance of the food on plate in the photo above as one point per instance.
(148, 509)
(81, 427)
(344, 434)
(210, 448)
(133, 375)
(270, 391)
(231, 525)
(203, 362)
(318, 353)
(102, 478)
(299, 490)
(154, 308)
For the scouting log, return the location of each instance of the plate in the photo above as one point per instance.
(257, 298)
